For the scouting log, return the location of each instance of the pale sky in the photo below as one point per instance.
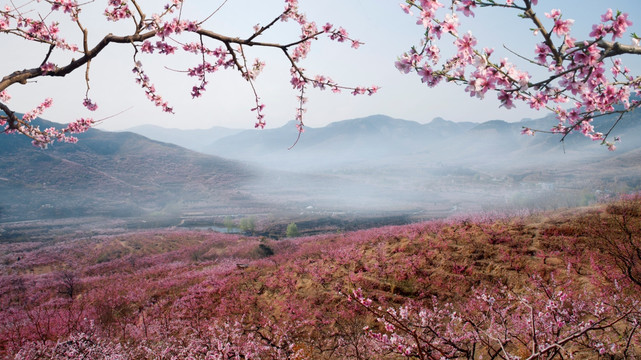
(384, 28)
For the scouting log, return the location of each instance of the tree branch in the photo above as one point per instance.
(615, 48)
(529, 13)
(11, 117)
(22, 76)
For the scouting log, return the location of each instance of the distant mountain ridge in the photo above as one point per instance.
(379, 137)
(350, 141)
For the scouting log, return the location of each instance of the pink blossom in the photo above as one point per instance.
(506, 99)
(406, 9)
(598, 31)
(297, 82)
(569, 42)
(117, 10)
(450, 24)
(433, 53)
(427, 76)
(372, 90)
(68, 6)
(538, 101)
(339, 35)
(542, 51)
(4, 96)
(425, 19)
(467, 6)
(562, 27)
(80, 126)
(553, 14)
(407, 62)
(147, 47)
(89, 104)
(359, 91)
(620, 25)
(607, 16)
(30, 115)
(527, 131)
(466, 45)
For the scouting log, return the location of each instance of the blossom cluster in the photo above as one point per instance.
(14, 21)
(150, 90)
(159, 34)
(578, 74)
(42, 138)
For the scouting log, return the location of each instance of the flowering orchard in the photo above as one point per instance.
(164, 32)
(542, 286)
(582, 79)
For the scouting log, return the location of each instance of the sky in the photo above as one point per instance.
(381, 24)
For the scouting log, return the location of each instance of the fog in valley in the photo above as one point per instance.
(370, 171)
(380, 164)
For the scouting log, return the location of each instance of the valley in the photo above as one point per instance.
(375, 171)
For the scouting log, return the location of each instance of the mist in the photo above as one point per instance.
(373, 171)
(384, 165)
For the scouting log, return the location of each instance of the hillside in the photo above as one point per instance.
(112, 174)
(195, 140)
(557, 284)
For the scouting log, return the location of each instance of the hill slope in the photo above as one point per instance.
(195, 140)
(116, 174)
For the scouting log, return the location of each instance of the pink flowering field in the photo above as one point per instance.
(548, 285)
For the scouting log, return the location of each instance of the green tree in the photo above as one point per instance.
(229, 224)
(292, 230)
(248, 224)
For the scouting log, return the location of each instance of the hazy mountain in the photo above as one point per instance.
(195, 140)
(381, 141)
(119, 174)
(344, 143)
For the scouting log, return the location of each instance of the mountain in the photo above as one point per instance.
(195, 140)
(113, 174)
(376, 138)
(378, 141)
